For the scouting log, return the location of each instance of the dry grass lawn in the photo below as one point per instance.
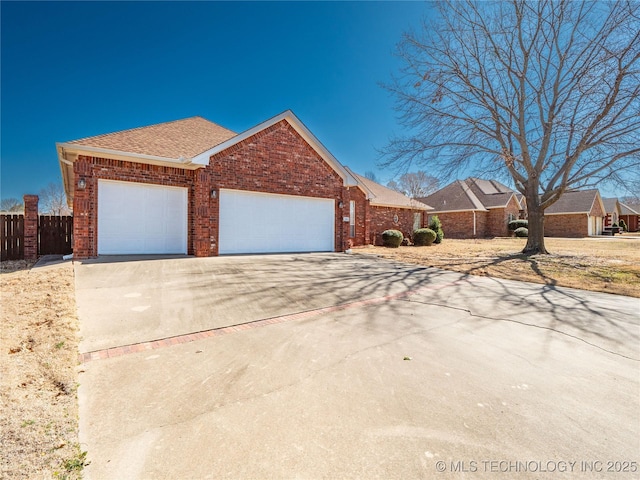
(38, 359)
(609, 265)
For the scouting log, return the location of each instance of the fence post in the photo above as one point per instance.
(30, 227)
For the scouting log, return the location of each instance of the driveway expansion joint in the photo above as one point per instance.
(220, 331)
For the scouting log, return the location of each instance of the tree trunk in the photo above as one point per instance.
(535, 240)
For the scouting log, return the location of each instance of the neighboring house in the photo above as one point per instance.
(474, 208)
(578, 213)
(630, 216)
(386, 209)
(193, 187)
(612, 209)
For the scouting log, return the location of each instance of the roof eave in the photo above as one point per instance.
(407, 207)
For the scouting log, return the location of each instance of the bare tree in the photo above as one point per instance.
(548, 91)
(11, 205)
(53, 200)
(371, 176)
(415, 184)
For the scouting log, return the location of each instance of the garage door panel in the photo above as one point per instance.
(252, 222)
(135, 218)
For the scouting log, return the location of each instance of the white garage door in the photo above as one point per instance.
(252, 222)
(137, 218)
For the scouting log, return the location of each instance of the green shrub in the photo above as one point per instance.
(521, 232)
(392, 238)
(436, 226)
(623, 225)
(423, 237)
(515, 224)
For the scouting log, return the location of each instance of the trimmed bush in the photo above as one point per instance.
(392, 238)
(515, 224)
(623, 225)
(436, 226)
(521, 232)
(423, 237)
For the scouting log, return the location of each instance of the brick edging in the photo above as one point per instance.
(218, 332)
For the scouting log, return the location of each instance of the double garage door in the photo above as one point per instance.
(135, 218)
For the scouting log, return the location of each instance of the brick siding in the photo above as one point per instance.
(567, 225)
(498, 219)
(382, 218)
(460, 224)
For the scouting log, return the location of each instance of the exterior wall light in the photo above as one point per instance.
(340, 204)
(82, 184)
(214, 194)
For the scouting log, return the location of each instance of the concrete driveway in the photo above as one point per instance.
(351, 367)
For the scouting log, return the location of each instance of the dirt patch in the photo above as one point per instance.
(38, 359)
(601, 265)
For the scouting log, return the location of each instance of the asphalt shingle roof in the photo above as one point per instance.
(574, 201)
(384, 196)
(609, 204)
(627, 210)
(181, 138)
(470, 194)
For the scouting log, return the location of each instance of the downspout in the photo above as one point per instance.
(474, 224)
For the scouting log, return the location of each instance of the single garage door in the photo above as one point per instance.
(252, 222)
(137, 218)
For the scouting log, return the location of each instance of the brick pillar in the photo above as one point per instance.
(30, 227)
(84, 210)
(202, 242)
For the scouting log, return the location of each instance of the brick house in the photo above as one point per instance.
(474, 208)
(389, 209)
(630, 216)
(193, 187)
(612, 210)
(578, 213)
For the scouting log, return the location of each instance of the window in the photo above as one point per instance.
(352, 218)
(416, 221)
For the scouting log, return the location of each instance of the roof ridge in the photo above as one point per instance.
(472, 196)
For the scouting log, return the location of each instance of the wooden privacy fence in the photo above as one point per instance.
(12, 237)
(55, 235)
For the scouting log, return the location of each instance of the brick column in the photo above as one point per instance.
(30, 227)
(84, 210)
(202, 231)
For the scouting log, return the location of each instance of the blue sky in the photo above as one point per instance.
(76, 69)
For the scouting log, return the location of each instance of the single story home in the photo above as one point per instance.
(578, 213)
(630, 216)
(612, 210)
(474, 208)
(194, 187)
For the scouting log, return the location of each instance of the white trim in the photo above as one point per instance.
(402, 207)
(474, 224)
(298, 126)
(366, 190)
(457, 211)
(567, 213)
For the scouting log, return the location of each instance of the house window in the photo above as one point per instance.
(352, 218)
(416, 221)
(512, 217)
